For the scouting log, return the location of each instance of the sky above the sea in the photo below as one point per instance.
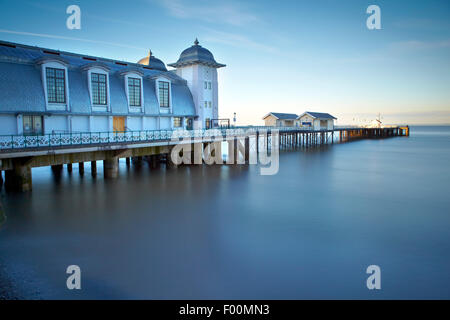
(281, 56)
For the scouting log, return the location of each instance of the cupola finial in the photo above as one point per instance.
(196, 42)
(150, 52)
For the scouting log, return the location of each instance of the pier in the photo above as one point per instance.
(20, 153)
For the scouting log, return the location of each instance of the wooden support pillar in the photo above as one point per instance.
(257, 142)
(19, 178)
(127, 161)
(69, 167)
(93, 168)
(81, 167)
(111, 168)
(247, 150)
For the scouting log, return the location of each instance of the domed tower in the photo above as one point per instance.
(199, 68)
(152, 62)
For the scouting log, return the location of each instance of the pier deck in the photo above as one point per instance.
(18, 154)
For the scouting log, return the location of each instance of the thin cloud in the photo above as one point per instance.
(413, 45)
(236, 40)
(209, 11)
(51, 36)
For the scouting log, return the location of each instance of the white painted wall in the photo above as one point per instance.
(80, 124)
(100, 124)
(55, 124)
(165, 123)
(330, 124)
(134, 123)
(8, 124)
(150, 123)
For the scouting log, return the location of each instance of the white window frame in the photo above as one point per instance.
(99, 107)
(58, 65)
(157, 81)
(134, 109)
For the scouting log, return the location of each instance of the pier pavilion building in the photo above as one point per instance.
(45, 91)
(316, 120)
(277, 119)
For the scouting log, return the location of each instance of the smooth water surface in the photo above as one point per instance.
(226, 232)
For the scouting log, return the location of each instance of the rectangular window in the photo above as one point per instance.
(32, 125)
(209, 85)
(206, 104)
(98, 87)
(163, 94)
(206, 85)
(56, 85)
(208, 123)
(177, 121)
(134, 92)
(209, 104)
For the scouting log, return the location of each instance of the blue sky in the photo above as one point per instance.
(283, 56)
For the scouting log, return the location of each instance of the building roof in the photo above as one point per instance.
(153, 62)
(196, 54)
(20, 73)
(282, 116)
(318, 115)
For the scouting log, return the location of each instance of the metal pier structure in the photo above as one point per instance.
(19, 153)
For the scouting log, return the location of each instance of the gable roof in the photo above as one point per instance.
(318, 115)
(282, 116)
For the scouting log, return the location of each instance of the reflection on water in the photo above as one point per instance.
(227, 232)
(2, 215)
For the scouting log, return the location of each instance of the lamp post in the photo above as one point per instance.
(234, 119)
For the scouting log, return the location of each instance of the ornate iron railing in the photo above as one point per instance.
(87, 138)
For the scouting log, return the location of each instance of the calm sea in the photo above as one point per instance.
(223, 232)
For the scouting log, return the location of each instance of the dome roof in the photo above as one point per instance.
(196, 54)
(153, 62)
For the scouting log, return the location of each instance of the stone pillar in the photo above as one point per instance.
(111, 168)
(127, 161)
(94, 168)
(18, 178)
(69, 167)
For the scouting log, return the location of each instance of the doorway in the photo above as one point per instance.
(190, 124)
(118, 124)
